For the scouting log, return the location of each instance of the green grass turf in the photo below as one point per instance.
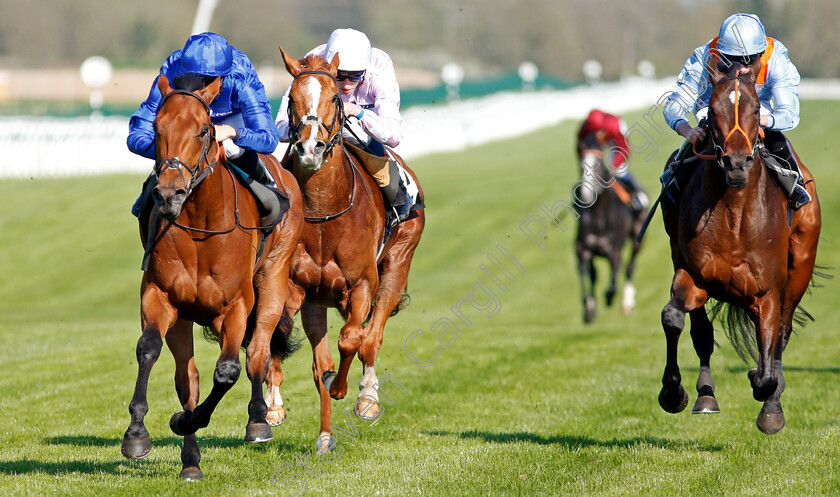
(526, 401)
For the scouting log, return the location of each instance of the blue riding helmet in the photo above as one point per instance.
(742, 35)
(207, 54)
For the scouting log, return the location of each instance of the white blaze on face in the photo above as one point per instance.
(734, 94)
(312, 90)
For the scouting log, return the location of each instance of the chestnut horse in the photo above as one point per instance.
(339, 262)
(203, 267)
(731, 240)
(606, 222)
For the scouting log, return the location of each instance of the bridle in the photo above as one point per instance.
(719, 148)
(197, 175)
(333, 132)
(333, 129)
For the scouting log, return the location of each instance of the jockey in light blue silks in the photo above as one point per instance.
(742, 40)
(241, 113)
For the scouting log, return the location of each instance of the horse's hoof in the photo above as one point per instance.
(191, 473)
(258, 433)
(770, 423)
(706, 404)
(176, 424)
(673, 407)
(325, 444)
(275, 416)
(136, 448)
(367, 408)
(627, 310)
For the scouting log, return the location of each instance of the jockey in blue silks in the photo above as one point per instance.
(241, 113)
(742, 40)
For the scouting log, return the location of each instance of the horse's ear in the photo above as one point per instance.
(211, 91)
(292, 64)
(163, 85)
(334, 65)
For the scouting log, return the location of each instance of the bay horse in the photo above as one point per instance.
(606, 222)
(732, 241)
(340, 261)
(205, 267)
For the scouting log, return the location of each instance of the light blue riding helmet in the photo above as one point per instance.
(207, 54)
(742, 35)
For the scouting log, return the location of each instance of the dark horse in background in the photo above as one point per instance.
(606, 222)
(205, 266)
(341, 260)
(732, 241)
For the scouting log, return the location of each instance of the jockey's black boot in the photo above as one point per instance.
(249, 162)
(777, 155)
(397, 207)
(144, 202)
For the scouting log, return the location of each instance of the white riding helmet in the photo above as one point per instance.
(353, 49)
(742, 35)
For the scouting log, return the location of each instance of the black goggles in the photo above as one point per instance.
(354, 76)
(744, 60)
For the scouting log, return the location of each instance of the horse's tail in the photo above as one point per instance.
(405, 300)
(738, 327)
(284, 341)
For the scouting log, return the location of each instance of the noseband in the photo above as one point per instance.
(312, 120)
(176, 163)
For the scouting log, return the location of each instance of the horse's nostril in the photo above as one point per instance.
(299, 148)
(320, 147)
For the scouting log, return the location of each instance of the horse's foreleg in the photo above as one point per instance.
(702, 335)
(766, 380)
(157, 317)
(350, 338)
(615, 268)
(180, 343)
(314, 319)
(225, 374)
(587, 282)
(393, 279)
(685, 297)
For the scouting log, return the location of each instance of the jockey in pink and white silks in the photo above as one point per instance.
(742, 40)
(368, 87)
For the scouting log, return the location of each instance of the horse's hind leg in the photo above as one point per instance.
(180, 343)
(685, 297)
(157, 316)
(702, 335)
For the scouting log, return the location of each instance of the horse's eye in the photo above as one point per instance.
(204, 131)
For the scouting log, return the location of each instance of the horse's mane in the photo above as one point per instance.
(190, 81)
